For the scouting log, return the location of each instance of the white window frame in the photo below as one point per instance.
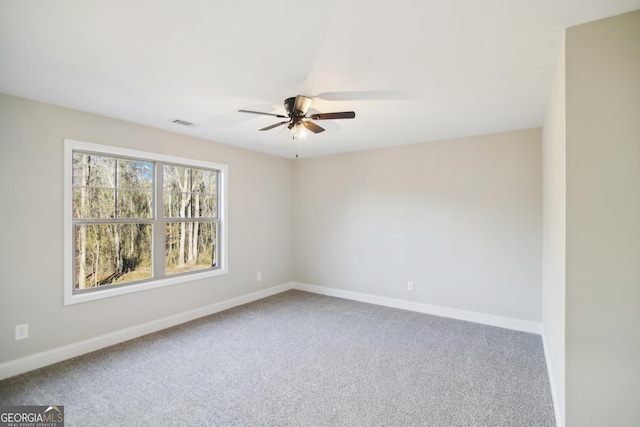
(70, 297)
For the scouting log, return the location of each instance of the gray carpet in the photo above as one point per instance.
(300, 359)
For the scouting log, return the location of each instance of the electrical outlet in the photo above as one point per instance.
(22, 332)
(410, 285)
(259, 277)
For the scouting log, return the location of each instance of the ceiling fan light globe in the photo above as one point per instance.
(299, 132)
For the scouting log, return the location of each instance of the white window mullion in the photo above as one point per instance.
(159, 235)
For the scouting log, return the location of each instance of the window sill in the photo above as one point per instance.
(71, 298)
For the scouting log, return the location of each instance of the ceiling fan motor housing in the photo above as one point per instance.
(297, 106)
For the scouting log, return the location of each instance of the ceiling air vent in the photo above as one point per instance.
(183, 122)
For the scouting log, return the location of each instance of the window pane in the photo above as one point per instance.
(93, 203)
(176, 178)
(107, 254)
(134, 204)
(177, 205)
(190, 246)
(204, 180)
(92, 170)
(208, 206)
(209, 181)
(134, 174)
(197, 182)
(190, 192)
(205, 186)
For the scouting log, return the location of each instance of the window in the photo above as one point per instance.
(137, 220)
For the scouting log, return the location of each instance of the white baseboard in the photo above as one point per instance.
(45, 358)
(454, 313)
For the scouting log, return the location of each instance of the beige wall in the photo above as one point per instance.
(31, 261)
(603, 223)
(554, 236)
(461, 218)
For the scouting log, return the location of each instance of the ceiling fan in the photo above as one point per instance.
(297, 108)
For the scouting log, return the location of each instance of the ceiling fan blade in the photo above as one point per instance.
(312, 127)
(264, 114)
(274, 126)
(302, 104)
(333, 116)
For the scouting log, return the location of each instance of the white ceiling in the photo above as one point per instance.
(412, 70)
